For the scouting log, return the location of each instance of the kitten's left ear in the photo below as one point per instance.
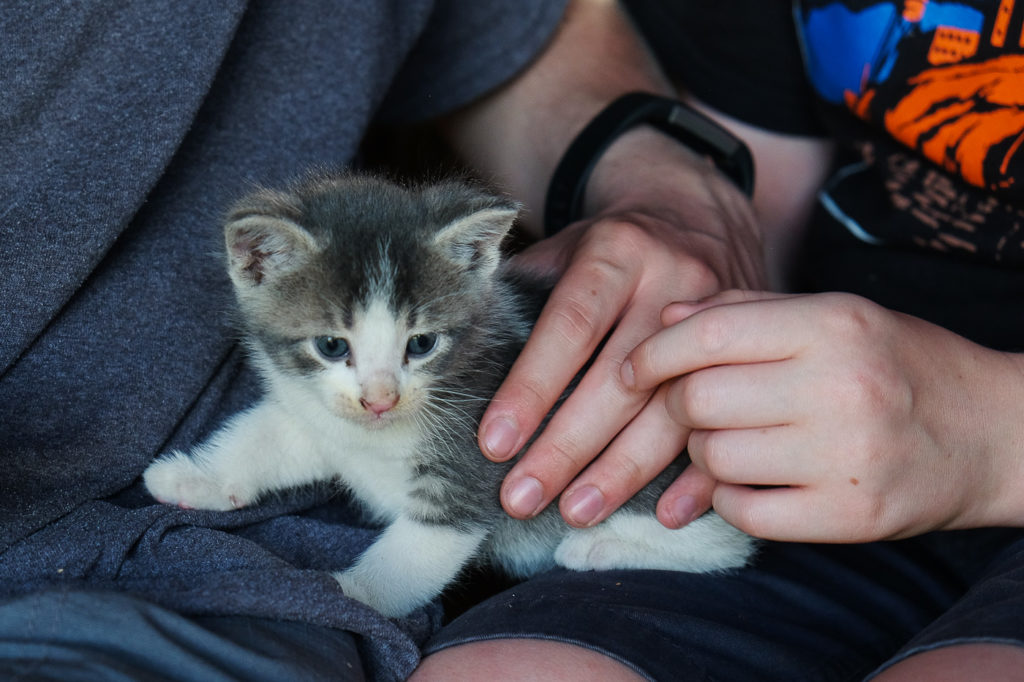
(474, 241)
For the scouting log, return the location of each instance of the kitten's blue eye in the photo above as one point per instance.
(332, 347)
(421, 344)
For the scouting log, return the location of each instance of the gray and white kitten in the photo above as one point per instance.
(382, 320)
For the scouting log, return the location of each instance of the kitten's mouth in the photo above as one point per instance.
(382, 420)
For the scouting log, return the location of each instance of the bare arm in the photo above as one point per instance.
(663, 225)
(790, 171)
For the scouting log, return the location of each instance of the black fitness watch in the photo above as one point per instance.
(564, 202)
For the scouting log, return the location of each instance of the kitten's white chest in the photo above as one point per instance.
(377, 467)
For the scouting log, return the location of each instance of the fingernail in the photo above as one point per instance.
(525, 496)
(626, 373)
(683, 510)
(584, 505)
(500, 438)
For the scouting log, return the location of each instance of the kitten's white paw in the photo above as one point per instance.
(638, 541)
(386, 599)
(178, 479)
(587, 551)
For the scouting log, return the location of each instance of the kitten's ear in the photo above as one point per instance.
(474, 241)
(261, 248)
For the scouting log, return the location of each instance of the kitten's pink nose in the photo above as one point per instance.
(379, 405)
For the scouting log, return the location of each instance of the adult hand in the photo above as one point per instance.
(679, 231)
(865, 424)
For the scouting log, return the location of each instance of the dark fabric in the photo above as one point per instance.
(922, 212)
(942, 79)
(742, 58)
(128, 130)
(990, 612)
(980, 301)
(931, 100)
(800, 612)
(106, 637)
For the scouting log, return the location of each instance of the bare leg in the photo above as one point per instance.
(962, 662)
(521, 660)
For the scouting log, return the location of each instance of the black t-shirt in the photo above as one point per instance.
(925, 210)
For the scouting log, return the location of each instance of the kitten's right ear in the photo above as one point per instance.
(261, 248)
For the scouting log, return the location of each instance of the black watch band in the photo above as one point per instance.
(564, 203)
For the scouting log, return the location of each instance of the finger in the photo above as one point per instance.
(581, 309)
(769, 456)
(680, 310)
(589, 419)
(686, 499)
(793, 514)
(641, 451)
(736, 396)
(757, 331)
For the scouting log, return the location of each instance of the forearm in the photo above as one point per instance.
(517, 135)
(595, 57)
(790, 170)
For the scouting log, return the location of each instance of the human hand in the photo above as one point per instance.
(617, 272)
(867, 424)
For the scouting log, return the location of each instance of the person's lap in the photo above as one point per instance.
(800, 612)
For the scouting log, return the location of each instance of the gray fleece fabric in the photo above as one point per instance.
(126, 129)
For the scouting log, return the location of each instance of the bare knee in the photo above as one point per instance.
(961, 662)
(521, 660)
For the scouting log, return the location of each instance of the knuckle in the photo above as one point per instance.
(752, 519)
(699, 276)
(865, 517)
(696, 399)
(536, 393)
(711, 332)
(627, 475)
(716, 456)
(581, 311)
(565, 457)
(574, 321)
(848, 316)
(618, 239)
(874, 392)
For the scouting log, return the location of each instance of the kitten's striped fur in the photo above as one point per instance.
(355, 262)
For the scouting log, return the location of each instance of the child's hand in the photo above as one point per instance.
(865, 423)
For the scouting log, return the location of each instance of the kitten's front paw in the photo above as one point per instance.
(389, 600)
(594, 551)
(628, 540)
(177, 479)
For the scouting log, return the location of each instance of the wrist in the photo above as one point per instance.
(1003, 442)
(977, 421)
(678, 122)
(648, 174)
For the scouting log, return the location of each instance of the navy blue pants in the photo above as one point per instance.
(801, 612)
(106, 636)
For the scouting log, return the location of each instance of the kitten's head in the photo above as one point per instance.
(357, 291)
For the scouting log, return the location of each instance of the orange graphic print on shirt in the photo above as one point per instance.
(957, 99)
(968, 119)
(945, 80)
